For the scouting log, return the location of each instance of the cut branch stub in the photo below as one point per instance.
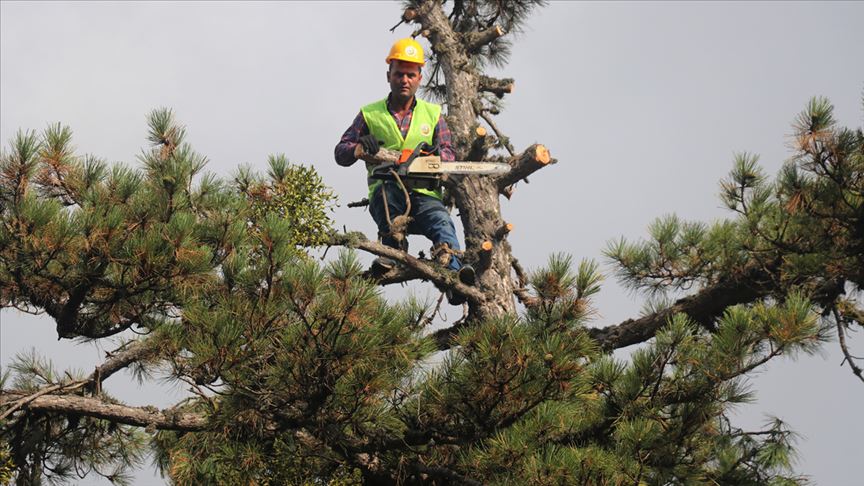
(409, 15)
(531, 160)
(481, 146)
(504, 230)
(475, 40)
(499, 87)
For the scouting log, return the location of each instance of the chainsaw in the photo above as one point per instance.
(422, 164)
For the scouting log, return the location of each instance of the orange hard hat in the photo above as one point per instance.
(407, 50)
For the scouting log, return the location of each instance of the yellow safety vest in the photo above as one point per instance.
(382, 125)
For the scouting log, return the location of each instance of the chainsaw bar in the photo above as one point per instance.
(432, 164)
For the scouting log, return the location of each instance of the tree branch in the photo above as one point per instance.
(23, 401)
(531, 160)
(703, 307)
(481, 145)
(121, 358)
(499, 87)
(443, 338)
(93, 407)
(475, 40)
(841, 336)
(414, 267)
(505, 141)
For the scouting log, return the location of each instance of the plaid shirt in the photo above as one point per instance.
(344, 152)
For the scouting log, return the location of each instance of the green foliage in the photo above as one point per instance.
(297, 195)
(7, 466)
(103, 248)
(804, 228)
(306, 375)
(563, 296)
(312, 349)
(60, 448)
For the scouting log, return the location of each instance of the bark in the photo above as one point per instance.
(477, 198)
(119, 359)
(499, 87)
(703, 307)
(414, 268)
(123, 414)
(531, 160)
(475, 40)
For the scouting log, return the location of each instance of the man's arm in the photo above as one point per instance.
(444, 140)
(344, 152)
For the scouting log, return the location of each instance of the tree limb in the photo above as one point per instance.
(414, 267)
(703, 307)
(475, 40)
(499, 87)
(503, 139)
(531, 160)
(94, 407)
(120, 359)
(23, 401)
(841, 336)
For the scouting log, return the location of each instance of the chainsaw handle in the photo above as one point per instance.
(421, 149)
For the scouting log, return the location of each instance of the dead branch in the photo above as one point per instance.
(847, 356)
(504, 140)
(359, 204)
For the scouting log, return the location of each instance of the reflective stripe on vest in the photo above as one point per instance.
(382, 125)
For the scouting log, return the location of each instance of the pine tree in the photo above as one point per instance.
(302, 373)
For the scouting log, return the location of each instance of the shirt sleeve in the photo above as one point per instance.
(444, 140)
(344, 152)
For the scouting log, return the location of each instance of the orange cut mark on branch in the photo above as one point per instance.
(541, 154)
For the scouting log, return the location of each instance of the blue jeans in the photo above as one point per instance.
(429, 217)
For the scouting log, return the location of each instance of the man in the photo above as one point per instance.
(402, 121)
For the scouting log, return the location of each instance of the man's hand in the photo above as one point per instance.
(369, 144)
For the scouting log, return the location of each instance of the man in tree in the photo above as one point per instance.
(302, 374)
(402, 121)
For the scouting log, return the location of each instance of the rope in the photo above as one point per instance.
(404, 191)
(399, 225)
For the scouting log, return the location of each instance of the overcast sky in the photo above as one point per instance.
(643, 104)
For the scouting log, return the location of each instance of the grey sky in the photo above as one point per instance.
(643, 104)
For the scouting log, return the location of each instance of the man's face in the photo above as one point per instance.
(404, 78)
